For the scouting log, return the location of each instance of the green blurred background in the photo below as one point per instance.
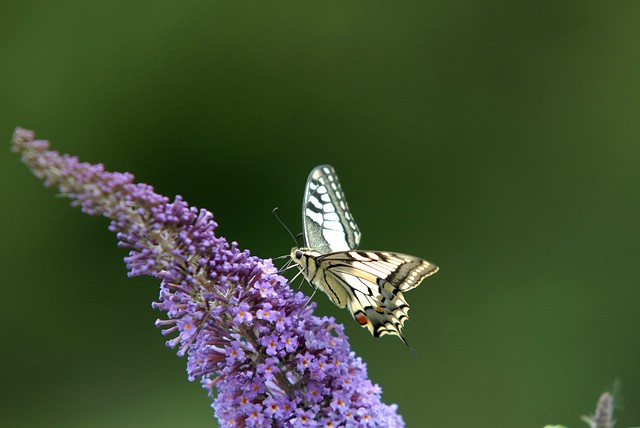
(497, 139)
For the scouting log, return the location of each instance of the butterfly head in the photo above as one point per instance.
(302, 256)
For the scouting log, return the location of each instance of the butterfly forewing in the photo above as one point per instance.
(369, 283)
(327, 221)
(400, 270)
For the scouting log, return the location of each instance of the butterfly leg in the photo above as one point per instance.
(301, 282)
(288, 265)
(308, 300)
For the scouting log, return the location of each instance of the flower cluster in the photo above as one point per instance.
(261, 354)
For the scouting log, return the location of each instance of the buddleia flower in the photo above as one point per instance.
(262, 355)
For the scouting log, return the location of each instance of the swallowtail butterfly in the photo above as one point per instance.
(369, 283)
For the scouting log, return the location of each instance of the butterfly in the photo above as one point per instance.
(369, 283)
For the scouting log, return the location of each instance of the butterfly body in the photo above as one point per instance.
(369, 283)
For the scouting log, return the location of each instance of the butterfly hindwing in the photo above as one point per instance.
(327, 221)
(373, 282)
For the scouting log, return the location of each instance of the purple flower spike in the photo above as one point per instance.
(263, 357)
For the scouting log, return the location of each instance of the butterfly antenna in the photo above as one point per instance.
(275, 214)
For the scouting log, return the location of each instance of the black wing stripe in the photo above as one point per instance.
(329, 289)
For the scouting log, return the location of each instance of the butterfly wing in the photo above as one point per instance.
(371, 284)
(327, 221)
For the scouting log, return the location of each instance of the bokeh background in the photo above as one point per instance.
(500, 140)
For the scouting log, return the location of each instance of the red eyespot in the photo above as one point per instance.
(361, 318)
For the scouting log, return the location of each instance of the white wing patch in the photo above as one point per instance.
(369, 283)
(328, 223)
